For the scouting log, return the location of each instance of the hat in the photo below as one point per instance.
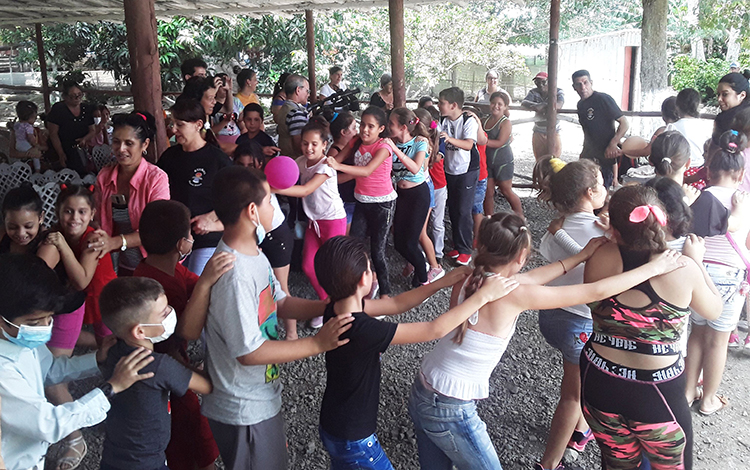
(734, 65)
(542, 75)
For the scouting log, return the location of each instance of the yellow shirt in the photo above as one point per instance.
(247, 99)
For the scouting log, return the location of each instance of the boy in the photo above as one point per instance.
(245, 409)
(252, 117)
(461, 169)
(349, 412)
(138, 427)
(31, 294)
(165, 234)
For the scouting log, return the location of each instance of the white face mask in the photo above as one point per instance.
(97, 121)
(169, 324)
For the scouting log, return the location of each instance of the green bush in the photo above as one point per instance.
(703, 76)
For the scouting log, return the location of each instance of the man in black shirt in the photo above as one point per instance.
(597, 114)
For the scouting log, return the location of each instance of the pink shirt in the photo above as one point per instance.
(377, 187)
(149, 183)
(745, 184)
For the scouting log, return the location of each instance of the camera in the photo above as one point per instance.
(341, 100)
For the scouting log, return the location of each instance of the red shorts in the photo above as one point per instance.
(192, 444)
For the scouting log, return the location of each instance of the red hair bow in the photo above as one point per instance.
(640, 213)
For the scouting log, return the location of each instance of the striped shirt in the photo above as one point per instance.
(718, 248)
(296, 119)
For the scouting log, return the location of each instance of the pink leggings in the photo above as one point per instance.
(66, 329)
(318, 231)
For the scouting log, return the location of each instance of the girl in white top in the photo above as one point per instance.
(320, 199)
(457, 371)
(696, 131)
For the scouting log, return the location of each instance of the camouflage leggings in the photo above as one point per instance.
(634, 419)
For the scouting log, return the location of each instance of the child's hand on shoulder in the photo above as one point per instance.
(127, 369)
(333, 163)
(592, 246)
(390, 143)
(328, 336)
(669, 261)
(496, 287)
(57, 240)
(455, 276)
(695, 248)
(219, 263)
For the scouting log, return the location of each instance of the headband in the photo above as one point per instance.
(143, 116)
(640, 213)
(335, 115)
(556, 164)
(433, 125)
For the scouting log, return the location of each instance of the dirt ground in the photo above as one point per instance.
(524, 387)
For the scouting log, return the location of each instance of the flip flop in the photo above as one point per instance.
(724, 403)
(698, 396)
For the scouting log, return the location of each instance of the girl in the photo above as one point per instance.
(373, 190)
(631, 367)
(123, 190)
(697, 132)
(101, 124)
(413, 203)
(726, 262)
(23, 216)
(499, 155)
(279, 241)
(191, 166)
(576, 190)
(457, 371)
(27, 136)
(320, 200)
(670, 155)
(247, 82)
(343, 129)
(679, 215)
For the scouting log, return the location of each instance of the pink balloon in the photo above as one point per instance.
(282, 172)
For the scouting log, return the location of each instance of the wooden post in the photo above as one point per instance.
(396, 20)
(140, 21)
(554, 34)
(310, 36)
(42, 66)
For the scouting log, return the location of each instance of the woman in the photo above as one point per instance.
(384, 98)
(124, 188)
(631, 367)
(247, 82)
(279, 97)
(733, 94)
(71, 127)
(491, 78)
(191, 166)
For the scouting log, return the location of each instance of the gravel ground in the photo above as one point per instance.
(524, 387)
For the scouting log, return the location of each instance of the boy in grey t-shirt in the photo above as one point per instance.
(245, 409)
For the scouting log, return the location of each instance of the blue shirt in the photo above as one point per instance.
(411, 149)
(28, 421)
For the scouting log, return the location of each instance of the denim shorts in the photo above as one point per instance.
(352, 455)
(566, 332)
(479, 193)
(349, 209)
(728, 282)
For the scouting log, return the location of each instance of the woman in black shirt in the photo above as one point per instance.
(71, 126)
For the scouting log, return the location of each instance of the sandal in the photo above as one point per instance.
(698, 396)
(72, 446)
(724, 403)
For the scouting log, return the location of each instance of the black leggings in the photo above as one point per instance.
(374, 220)
(412, 206)
(633, 419)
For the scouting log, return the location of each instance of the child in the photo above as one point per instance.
(138, 426)
(23, 216)
(323, 206)
(252, 117)
(373, 190)
(101, 126)
(437, 175)
(349, 412)
(461, 169)
(343, 128)
(279, 242)
(165, 233)
(31, 295)
(480, 192)
(500, 155)
(410, 152)
(244, 411)
(27, 139)
(726, 262)
(457, 371)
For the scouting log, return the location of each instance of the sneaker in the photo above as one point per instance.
(316, 323)
(538, 466)
(579, 440)
(746, 348)
(742, 325)
(463, 259)
(453, 254)
(408, 269)
(734, 341)
(434, 274)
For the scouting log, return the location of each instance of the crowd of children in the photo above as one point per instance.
(617, 310)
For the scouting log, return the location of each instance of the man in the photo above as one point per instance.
(734, 67)
(294, 115)
(597, 114)
(193, 68)
(536, 101)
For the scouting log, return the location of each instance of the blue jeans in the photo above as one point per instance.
(352, 455)
(449, 432)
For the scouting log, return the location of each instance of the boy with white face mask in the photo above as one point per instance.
(138, 426)
(31, 294)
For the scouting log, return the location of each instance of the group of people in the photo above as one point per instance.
(197, 246)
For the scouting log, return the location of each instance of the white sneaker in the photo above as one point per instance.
(434, 274)
(316, 323)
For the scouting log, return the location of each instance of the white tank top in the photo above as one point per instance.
(463, 370)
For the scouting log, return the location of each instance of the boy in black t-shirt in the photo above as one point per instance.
(349, 411)
(597, 114)
(138, 425)
(252, 118)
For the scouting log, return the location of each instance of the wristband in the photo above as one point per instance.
(565, 271)
(124, 243)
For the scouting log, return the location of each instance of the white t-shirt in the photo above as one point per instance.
(697, 132)
(324, 203)
(457, 160)
(582, 228)
(327, 91)
(278, 215)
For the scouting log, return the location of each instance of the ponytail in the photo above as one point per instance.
(670, 151)
(729, 159)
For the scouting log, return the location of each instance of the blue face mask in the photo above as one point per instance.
(260, 232)
(29, 336)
